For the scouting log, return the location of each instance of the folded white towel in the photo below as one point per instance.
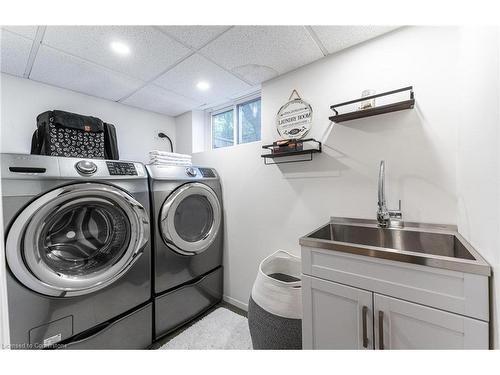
(168, 154)
(170, 161)
(166, 158)
(158, 157)
(176, 163)
(169, 157)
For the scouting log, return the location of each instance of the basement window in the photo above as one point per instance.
(223, 129)
(236, 124)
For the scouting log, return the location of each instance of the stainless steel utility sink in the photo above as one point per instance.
(431, 245)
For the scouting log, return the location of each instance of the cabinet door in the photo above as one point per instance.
(404, 325)
(335, 316)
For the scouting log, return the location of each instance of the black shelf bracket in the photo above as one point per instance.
(393, 107)
(309, 158)
(276, 156)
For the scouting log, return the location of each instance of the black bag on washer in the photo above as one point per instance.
(61, 133)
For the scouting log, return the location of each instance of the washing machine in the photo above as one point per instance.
(78, 252)
(187, 225)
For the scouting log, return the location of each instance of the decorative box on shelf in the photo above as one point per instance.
(287, 146)
(290, 149)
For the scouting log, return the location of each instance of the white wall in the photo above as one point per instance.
(266, 209)
(270, 207)
(478, 159)
(184, 133)
(23, 100)
(198, 126)
(188, 127)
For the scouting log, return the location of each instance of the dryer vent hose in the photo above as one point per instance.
(163, 135)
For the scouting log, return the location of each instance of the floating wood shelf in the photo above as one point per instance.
(393, 107)
(276, 155)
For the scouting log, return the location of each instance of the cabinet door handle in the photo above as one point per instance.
(365, 333)
(381, 330)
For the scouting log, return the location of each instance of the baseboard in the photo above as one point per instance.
(235, 302)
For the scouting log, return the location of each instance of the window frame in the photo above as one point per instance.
(234, 106)
(218, 112)
(237, 127)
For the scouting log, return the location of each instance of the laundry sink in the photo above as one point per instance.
(431, 245)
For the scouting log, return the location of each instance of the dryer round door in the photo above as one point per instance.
(190, 218)
(76, 239)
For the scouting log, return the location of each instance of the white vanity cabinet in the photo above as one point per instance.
(405, 325)
(357, 302)
(336, 316)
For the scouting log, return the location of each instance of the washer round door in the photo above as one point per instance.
(76, 239)
(190, 218)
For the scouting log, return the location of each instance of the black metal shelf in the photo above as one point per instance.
(276, 155)
(393, 107)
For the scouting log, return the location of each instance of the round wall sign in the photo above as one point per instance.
(294, 119)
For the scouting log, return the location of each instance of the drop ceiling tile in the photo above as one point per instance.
(183, 78)
(152, 52)
(157, 99)
(14, 53)
(275, 48)
(255, 74)
(194, 36)
(66, 71)
(336, 38)
(26, 31)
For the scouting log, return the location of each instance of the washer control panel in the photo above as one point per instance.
(118, 168)
(206, 172)
(86, 167)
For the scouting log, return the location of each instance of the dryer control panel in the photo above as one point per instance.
(206, 172)
(117, 168)
(186, 173)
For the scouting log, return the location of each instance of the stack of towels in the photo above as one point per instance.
(169, 158)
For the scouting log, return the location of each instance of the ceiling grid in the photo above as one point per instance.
(34, 50)
(166, 63)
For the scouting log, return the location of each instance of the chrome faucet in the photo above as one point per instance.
(386, 218)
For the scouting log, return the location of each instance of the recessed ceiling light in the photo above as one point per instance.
(120, 48)
(203, 85)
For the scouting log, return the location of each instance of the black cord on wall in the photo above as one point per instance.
(163, 135)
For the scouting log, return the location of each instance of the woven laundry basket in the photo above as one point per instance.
(275, 306)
